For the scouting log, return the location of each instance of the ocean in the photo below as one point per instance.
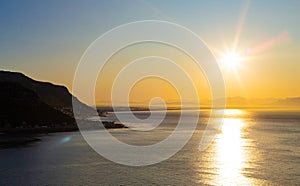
(253, 147)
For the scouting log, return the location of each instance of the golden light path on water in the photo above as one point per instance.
(229, 157)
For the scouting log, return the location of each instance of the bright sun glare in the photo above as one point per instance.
(231, 60)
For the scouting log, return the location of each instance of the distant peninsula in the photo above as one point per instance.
(27, 105)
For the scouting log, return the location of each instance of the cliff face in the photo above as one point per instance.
(25, 102)
(23, 107)
(53, 95)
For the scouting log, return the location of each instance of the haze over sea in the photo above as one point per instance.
(255, 147)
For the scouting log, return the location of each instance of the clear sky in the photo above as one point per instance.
(45, 39)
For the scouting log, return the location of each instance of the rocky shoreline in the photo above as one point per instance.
(15, 137)
(17, 140)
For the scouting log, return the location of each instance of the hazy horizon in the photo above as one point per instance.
(231, 102)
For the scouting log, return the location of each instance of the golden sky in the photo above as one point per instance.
(263, 37)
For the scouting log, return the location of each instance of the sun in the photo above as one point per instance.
(231, 60)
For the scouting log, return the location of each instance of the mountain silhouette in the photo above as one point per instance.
(27, 103)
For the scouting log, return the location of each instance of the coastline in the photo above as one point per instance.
(15, 137)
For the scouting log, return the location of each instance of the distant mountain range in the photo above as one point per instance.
(293, 102)
(231, 102)
(27, 103)
(288, 102)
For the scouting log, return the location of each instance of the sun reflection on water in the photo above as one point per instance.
(227, 156)
(233, 113)
(230, 153)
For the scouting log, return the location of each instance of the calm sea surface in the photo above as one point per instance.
(255, 147)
